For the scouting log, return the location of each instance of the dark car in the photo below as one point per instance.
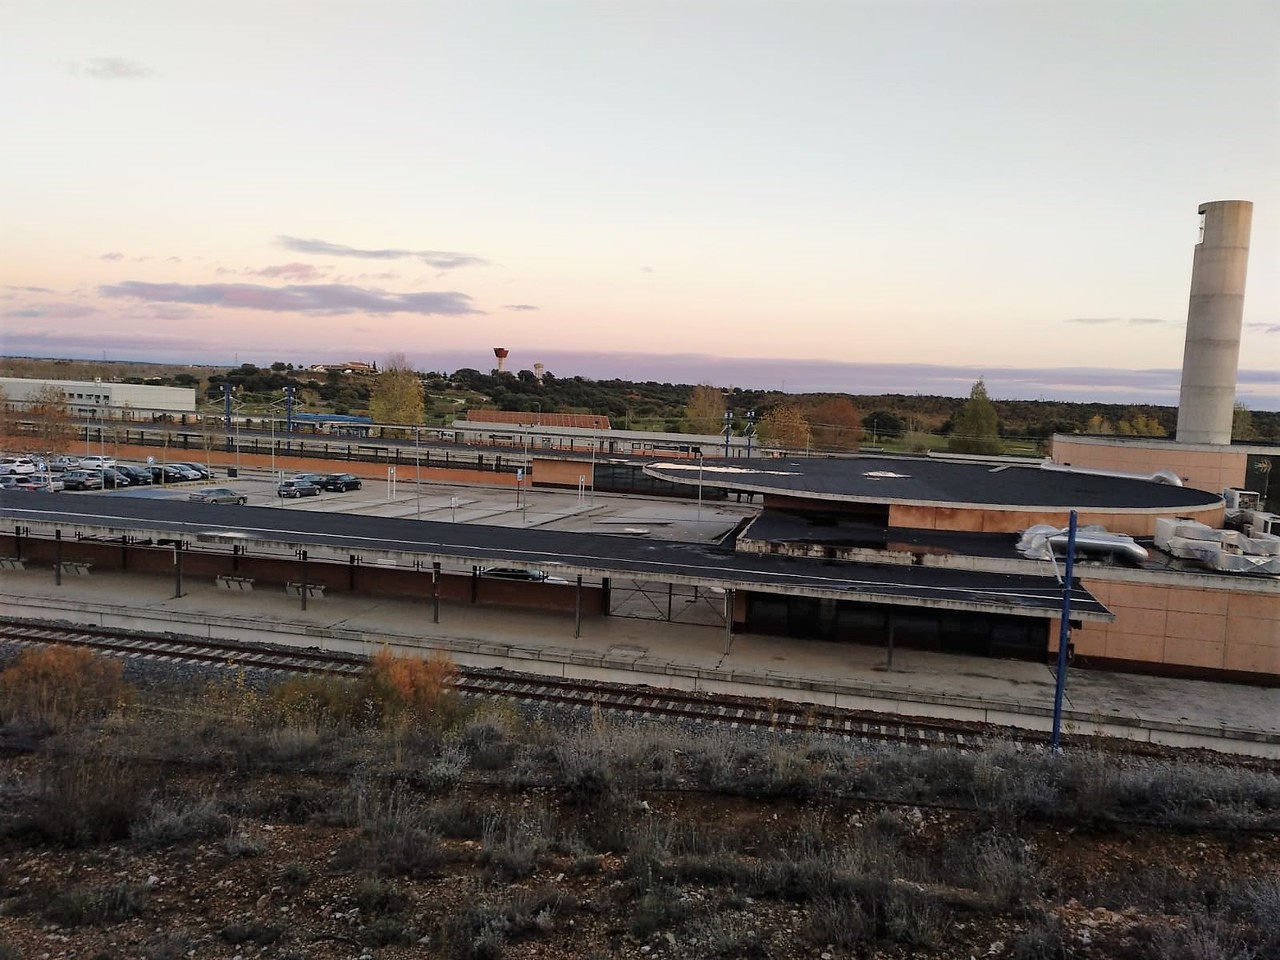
(315, 479)
(82, 480)
(136, 475)
(112, 478)
(297, 488)
(204, 472)
(168, 473)
(519, 573)
(341, 482)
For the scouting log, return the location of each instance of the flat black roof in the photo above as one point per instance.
(931, 482)
(564, 554)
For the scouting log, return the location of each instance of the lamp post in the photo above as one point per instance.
(699, 486)
(1064, 635)
(751, 430)
(417, 469)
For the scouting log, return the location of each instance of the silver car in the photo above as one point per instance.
(218, 495)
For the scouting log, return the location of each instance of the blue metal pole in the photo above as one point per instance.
(1064, 636)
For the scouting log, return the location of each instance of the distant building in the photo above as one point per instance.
(581, 421)
(351, 366)
(90, 398)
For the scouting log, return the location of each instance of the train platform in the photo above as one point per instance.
(1230, 718)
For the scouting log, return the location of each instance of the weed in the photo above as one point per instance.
(82, 800)
(1044, 941)
(173, 821)
(60, 687)
(295, 874)
(387, 932)
(661, 908)
(379, 898)
(251, 932)
(91, 906)
(245, 840)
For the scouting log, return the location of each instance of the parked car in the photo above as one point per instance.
(82, 480)
(48, 481)
(112, 478)
(18, 465)
(96, 462)
(199, 468)
(9, 481)
(297, 488)
(217, 495)
(315, 479)
(64, 462)
(136, 475)
(169, 473)
(341, 482)
(519, 573)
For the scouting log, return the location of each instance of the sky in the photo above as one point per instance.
(857, 195)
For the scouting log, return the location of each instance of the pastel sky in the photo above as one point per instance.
(984, 186)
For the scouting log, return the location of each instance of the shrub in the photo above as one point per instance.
(61, 687)
(173, 821)
(83, 800)
(397, 836)
(313, 701)
(85, 906)
(407, 690)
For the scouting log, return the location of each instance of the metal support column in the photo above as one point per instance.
(728, 619)
(891, 624)
(606, 596)
(302, 558)
(435, 592)
(1064, 637)
(475, 584)
(577, 610)
(177, 570)
(57, 558)
(352, 562)
(18, 532)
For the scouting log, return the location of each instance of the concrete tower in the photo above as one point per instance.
(1214, 315)
(501, 354)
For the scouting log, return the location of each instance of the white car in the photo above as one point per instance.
(48, 481)
(96, 463)
(19, 465)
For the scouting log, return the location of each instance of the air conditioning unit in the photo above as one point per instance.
(1237, 499)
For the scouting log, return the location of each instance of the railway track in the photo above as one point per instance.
(607, 698)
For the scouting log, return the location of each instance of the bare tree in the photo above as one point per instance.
(51, 416)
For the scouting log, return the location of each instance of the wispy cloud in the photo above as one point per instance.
(29, 289)
(51, 311)
(330, 298)
(1132, 321)
(113, 68)
(291, 271)
(440, 259)
(111, 256)
(518, 306)
(1263, 326)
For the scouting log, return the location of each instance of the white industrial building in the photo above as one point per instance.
(97, 398)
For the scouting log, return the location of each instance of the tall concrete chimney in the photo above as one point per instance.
(1214, 315)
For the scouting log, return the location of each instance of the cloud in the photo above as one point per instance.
(172, 259)
(440, 259)
(1263, 326)
(29, 289)
(113, 68)
(112, 256)
(51, 311)
(518, 306)
(331, 298)
(1132, 321)
(291, 271)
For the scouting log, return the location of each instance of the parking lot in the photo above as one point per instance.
(570, 511)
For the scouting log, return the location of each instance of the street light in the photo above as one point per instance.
(417, 470)
(699, 486)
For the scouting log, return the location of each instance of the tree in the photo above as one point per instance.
(1242, 423)
(835, 424)
(51, 415)
(705, 409)
(8, 421)
(976, 428)
(396, 394)
(785, 426)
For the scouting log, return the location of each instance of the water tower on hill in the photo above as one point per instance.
(501, 354)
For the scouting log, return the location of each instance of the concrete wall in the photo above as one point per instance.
(1202, 466)
(1224, 627)
(561, 473)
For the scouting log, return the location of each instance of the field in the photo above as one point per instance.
(236, 817)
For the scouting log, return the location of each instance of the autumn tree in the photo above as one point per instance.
(976, 428)
(8, 420)
(785, 426)
(705, 409)
(396, 394)
(1242, 427)
(834, 424)
(51, 415)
